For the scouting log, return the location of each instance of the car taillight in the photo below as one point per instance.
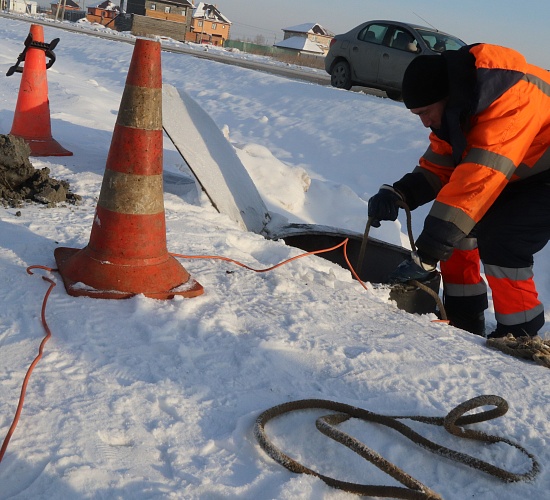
(332, 42)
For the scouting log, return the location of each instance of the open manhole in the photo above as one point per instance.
(380, 259)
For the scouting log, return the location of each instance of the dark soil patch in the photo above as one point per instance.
(21, 183)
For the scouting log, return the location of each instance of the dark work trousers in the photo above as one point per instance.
(515, 228)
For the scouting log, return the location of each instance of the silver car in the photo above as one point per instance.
(376, 53)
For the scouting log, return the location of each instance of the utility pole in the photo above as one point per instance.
(60, 3)
(202, 25)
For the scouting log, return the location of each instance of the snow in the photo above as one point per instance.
(144, 398)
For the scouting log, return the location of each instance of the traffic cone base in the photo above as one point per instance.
(48, 147)
(86, 276)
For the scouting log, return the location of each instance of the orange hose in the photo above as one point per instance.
(33, 364)
(344, 244)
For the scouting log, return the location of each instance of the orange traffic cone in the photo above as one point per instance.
(127, 254)
(31, 121)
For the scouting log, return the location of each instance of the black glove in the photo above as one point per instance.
(383, 205)
(439, 238)
(413, 269)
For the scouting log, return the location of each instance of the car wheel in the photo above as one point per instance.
(341, 75)
(394, 95)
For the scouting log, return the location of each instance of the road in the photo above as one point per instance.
(296, 73)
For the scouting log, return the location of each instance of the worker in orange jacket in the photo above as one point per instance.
(488, 169)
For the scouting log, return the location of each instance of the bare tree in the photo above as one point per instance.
(259, 40)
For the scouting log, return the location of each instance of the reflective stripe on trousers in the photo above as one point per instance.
(515, 296)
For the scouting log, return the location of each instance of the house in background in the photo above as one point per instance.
(20, 6)
(301, 45)
(169, 18)
(209, 25)
(67, 9)
(104, 13)
(310, 38)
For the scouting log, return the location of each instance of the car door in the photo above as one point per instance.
(365, 53)
(400, 47)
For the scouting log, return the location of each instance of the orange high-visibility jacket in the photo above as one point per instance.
(503, 136)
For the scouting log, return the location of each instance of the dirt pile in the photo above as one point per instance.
(21, 183)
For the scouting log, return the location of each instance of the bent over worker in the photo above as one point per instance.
(487, 168)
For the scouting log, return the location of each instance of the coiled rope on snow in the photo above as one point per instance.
(413, 489)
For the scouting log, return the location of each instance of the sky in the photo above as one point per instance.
(157, 399)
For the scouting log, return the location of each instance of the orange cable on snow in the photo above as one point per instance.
(343, 244)
(33, 364)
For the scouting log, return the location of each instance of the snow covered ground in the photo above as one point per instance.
(151, 399)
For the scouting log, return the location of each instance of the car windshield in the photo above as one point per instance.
(439, 42)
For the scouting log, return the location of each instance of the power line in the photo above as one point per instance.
(255, 27)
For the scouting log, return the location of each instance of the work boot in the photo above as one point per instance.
(527, 329)
(500, 333)
(467, 313)
(496, 335)
(473, 323)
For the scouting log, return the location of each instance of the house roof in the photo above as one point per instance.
(209, 11)
(313, 28)
(108, 5)
(300, 43)
(187, 3)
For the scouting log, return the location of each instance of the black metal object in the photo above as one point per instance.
(29, 42)
(412, 299)
(379, 261)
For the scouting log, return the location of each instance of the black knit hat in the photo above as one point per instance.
(425, 81)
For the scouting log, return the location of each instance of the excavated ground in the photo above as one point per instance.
(21, 183)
